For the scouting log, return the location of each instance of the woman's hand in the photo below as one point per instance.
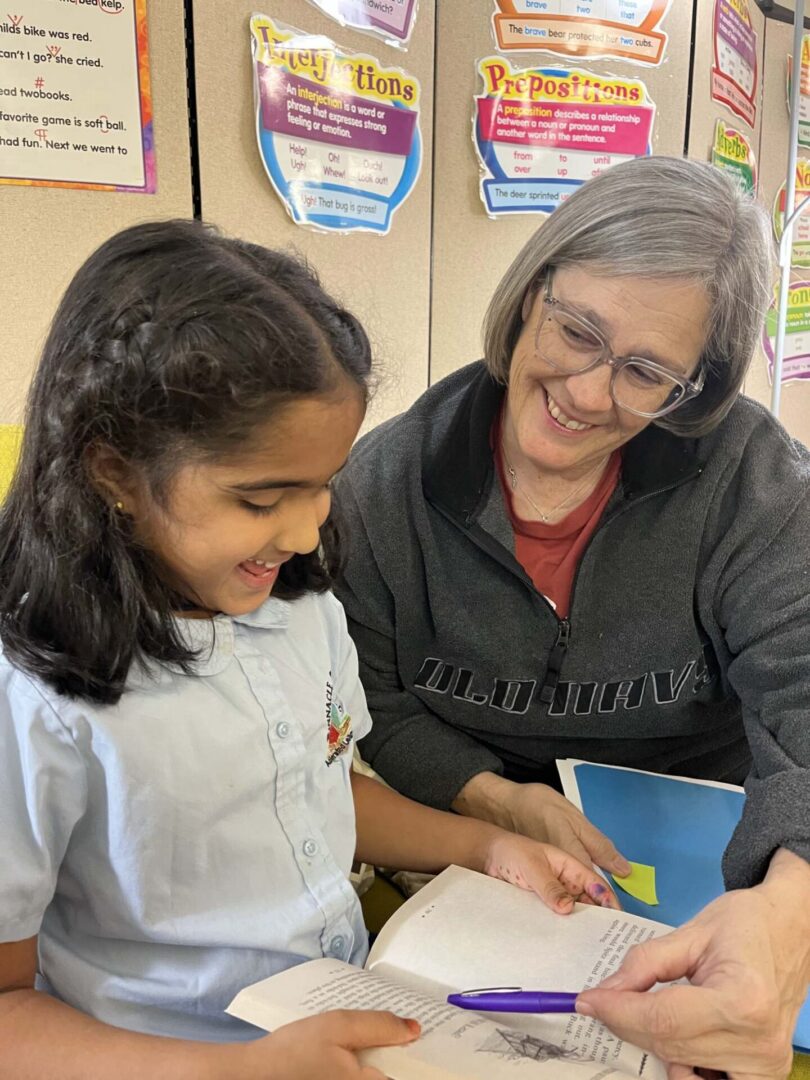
(557, 878)
(538, 811)
(321, 1046)
(747, 957)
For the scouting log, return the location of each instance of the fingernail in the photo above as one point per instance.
(623, 867)
(584, 1008)
(414, 1027)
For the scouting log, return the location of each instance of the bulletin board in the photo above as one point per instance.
(470, 250)
(48, 232)
(773, 138)
(384, 279)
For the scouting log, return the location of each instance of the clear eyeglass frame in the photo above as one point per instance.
(690, 388)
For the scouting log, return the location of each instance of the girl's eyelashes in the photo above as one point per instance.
(261, 510)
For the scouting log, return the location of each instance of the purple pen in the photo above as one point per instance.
(514, 999)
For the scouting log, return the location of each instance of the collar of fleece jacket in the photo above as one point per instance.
(458, 473)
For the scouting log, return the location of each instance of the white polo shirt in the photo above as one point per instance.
(195, 837)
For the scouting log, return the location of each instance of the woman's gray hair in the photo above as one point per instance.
(656, 217)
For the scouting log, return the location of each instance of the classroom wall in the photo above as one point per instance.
(48, 232)
(795, 403)
(421, 290)
(385, 280)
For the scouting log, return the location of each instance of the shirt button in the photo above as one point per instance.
(310, 848)
(283, 729)
(337, 945)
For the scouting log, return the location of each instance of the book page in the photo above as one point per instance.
(454, 1044)
(465, 930)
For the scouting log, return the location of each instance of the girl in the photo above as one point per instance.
(178, 810)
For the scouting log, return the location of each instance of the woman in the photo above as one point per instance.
(590, 545)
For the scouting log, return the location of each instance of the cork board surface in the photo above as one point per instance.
(48, 232)
(471, 251)
(385, 280)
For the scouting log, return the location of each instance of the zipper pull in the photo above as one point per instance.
(555, 662)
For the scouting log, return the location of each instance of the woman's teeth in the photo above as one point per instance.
(562, 419)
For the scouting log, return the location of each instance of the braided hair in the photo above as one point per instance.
(171, 343)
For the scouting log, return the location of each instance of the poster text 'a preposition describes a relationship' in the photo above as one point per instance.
(338, 132)
(75, 103)
(541, 133)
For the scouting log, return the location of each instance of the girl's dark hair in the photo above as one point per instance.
(172, 343)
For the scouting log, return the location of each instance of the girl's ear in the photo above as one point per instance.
(112, 477)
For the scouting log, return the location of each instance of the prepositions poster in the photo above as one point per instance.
(734, 72)
(338, 132)
(543, 132)
(391, 20)
(75, 102)
(796, 361)
(610, 29)
(733, 151)
(804, 92)
(800, 254)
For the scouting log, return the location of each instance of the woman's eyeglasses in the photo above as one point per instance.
(569, 343)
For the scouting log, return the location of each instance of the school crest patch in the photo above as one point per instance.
(339, 732)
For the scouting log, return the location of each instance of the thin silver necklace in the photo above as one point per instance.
(544, 515)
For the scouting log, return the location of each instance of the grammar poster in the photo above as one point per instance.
(734, 72)
(338, 132)
(800, 252)
(75, 103)
(542, 132)
(732, 151)
(391, 20)
(606, 29)
(796, 360)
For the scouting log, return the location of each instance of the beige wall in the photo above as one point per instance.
(384, 279)
(48, 232)
(422, 289)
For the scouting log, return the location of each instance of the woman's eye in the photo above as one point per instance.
(260, 510)
(580, 337)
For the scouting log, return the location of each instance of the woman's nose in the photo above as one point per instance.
(589, 391)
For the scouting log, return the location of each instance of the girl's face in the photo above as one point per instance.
(227, 528)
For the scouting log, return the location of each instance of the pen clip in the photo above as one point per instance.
(491, 990)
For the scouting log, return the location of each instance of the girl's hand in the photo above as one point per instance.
(557, 877)
(538, 811)
(322, 1046)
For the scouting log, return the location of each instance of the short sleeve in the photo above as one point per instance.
(43, 793)
(347, 680)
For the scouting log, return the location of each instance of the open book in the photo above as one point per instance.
(465, 931)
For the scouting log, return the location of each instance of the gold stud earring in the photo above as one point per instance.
(119, 506)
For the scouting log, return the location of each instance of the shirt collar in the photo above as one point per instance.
(213, 641)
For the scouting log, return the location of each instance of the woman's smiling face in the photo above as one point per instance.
(568, 422)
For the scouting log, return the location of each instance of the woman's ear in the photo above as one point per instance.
(112, 477)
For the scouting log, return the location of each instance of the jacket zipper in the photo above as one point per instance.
(559, 649)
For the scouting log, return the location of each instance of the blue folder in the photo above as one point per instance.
(680, 828)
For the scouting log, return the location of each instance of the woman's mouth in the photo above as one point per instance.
(561, 421)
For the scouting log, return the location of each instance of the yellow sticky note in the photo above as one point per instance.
(640, 883)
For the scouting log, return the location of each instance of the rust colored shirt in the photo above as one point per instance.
(550, 554)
